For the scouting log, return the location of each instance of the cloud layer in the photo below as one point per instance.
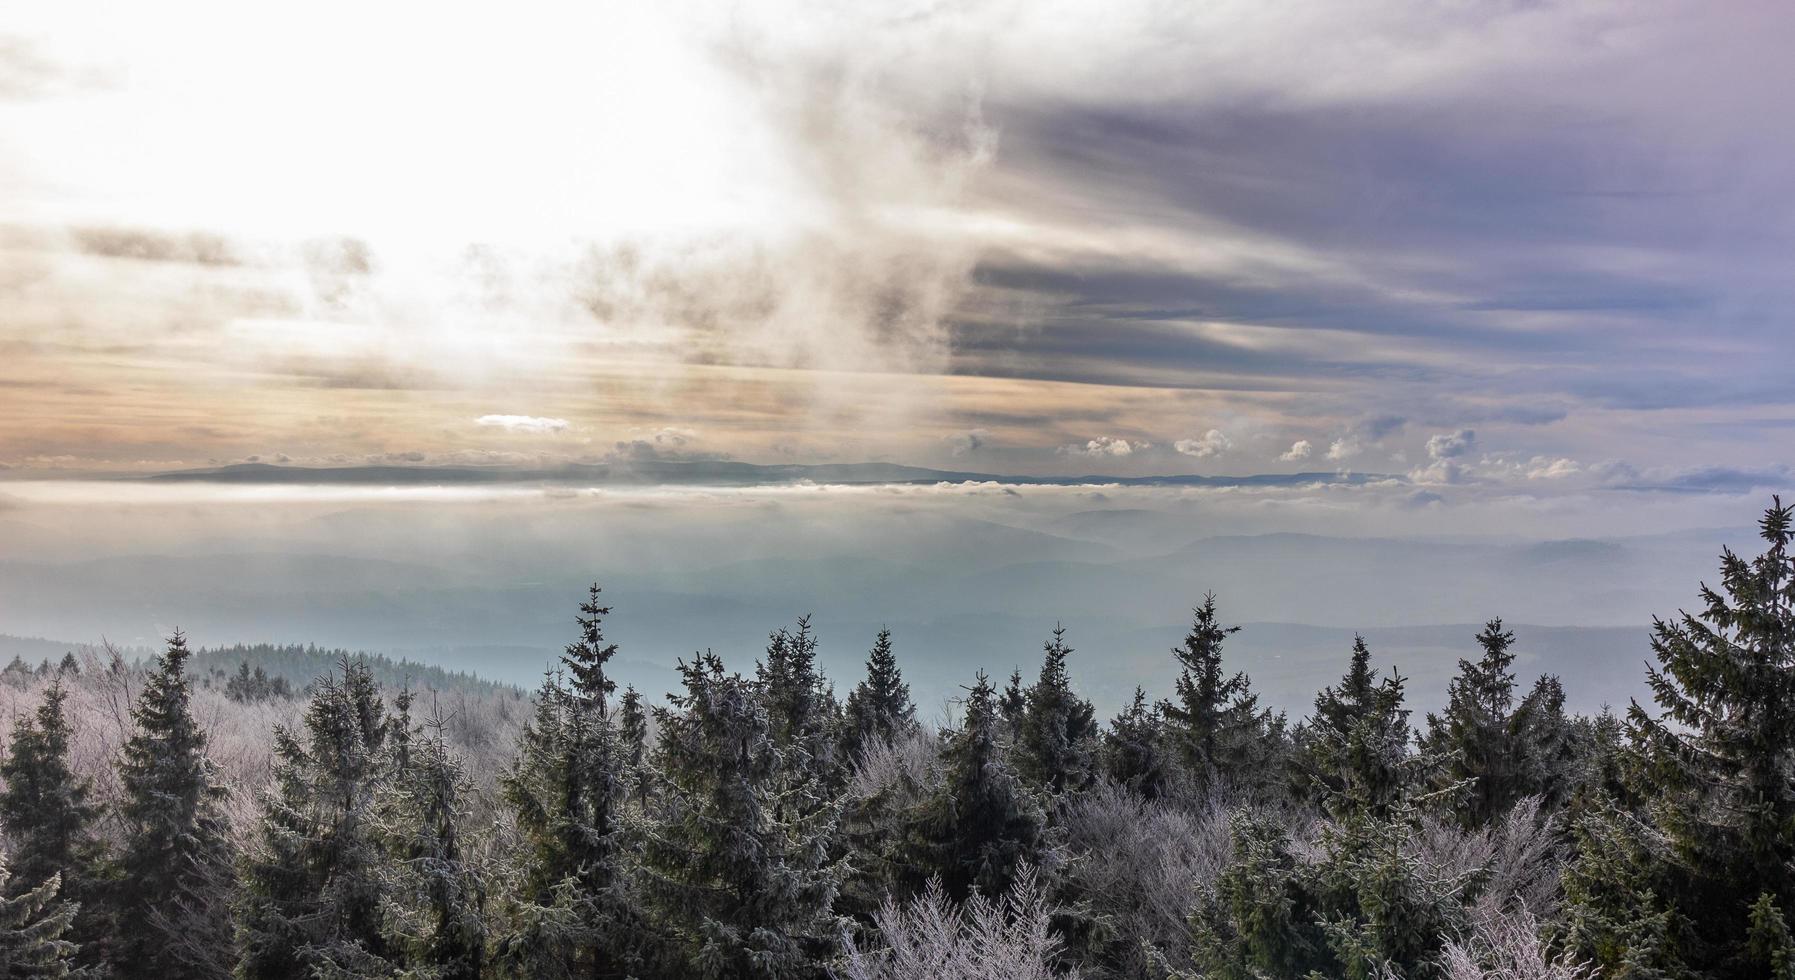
(1476, 244)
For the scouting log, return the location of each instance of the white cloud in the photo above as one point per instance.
(1300, 449)
(522, 423)
(1213, 443)
(1345, 447)
(1105, 446)
(1441, 472)
(1449, 445)
(1541, 468)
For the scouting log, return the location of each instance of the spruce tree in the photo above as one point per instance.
(34, 928)
(801, 708)
(566, 790)
(1134, 751)
(1481, 742)
(316, 887)
(436, 909)
(1012, 707)
(1355, 749)
(879, 708)
(45, 806)
(1058, 730)
(738, 848)
(1215, 718)
(175, 860)
(981, 824)
(632, 733)
(1721, 748)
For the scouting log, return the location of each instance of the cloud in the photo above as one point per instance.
(1450, 445)
(968, 442)
(1105, 446)
(1541, 468)
(523, 423)
(667, 442)
(1213, 443)
(1441, 472)
(1300, 449)
(1343, 448)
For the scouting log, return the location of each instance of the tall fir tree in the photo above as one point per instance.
(1721, 746)
(175, 860)
(34, 927)
(1354, 752)
(1057, 736)
(879, 708)
(632, 733)
(47, 814)
(316, 886)
(1215, 718)
(981, 824)
(1483, 743)
(566, 790)
(738, 849)
(800, 706)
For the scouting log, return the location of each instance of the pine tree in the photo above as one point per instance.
(175, 861)
(1056, 739)
(738, 849)
(1215, 719)
(33, 930)
(1481, 741)
(566, 790)
(1722, 748)
(315, 889)
(981, 825)
(1355, 749)
(879, 708)
(1133, 748)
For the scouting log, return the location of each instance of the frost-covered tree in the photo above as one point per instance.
(1133, 752)
(801, 709)
(1354, 751)
(1214, 717)
(981, 825)
(1057, 736)
(738, 857)
(931, 937)
(47, 811)
(566, 790)
(1720, 749)
(175, 858)
(879, 708)
(1487, 745)
(34, 928)
(316, 883)
(632, 734)
(435, 906)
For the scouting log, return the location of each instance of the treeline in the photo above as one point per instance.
(758, 825)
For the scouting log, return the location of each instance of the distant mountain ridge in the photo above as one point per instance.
(714, 472)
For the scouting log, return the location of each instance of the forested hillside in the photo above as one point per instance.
(219, 816)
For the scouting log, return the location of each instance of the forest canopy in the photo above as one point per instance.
(368, 821)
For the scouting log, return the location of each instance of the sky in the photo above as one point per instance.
(1540, 247)
(1499, 290)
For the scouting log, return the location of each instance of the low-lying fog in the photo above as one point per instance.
(966, 576)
